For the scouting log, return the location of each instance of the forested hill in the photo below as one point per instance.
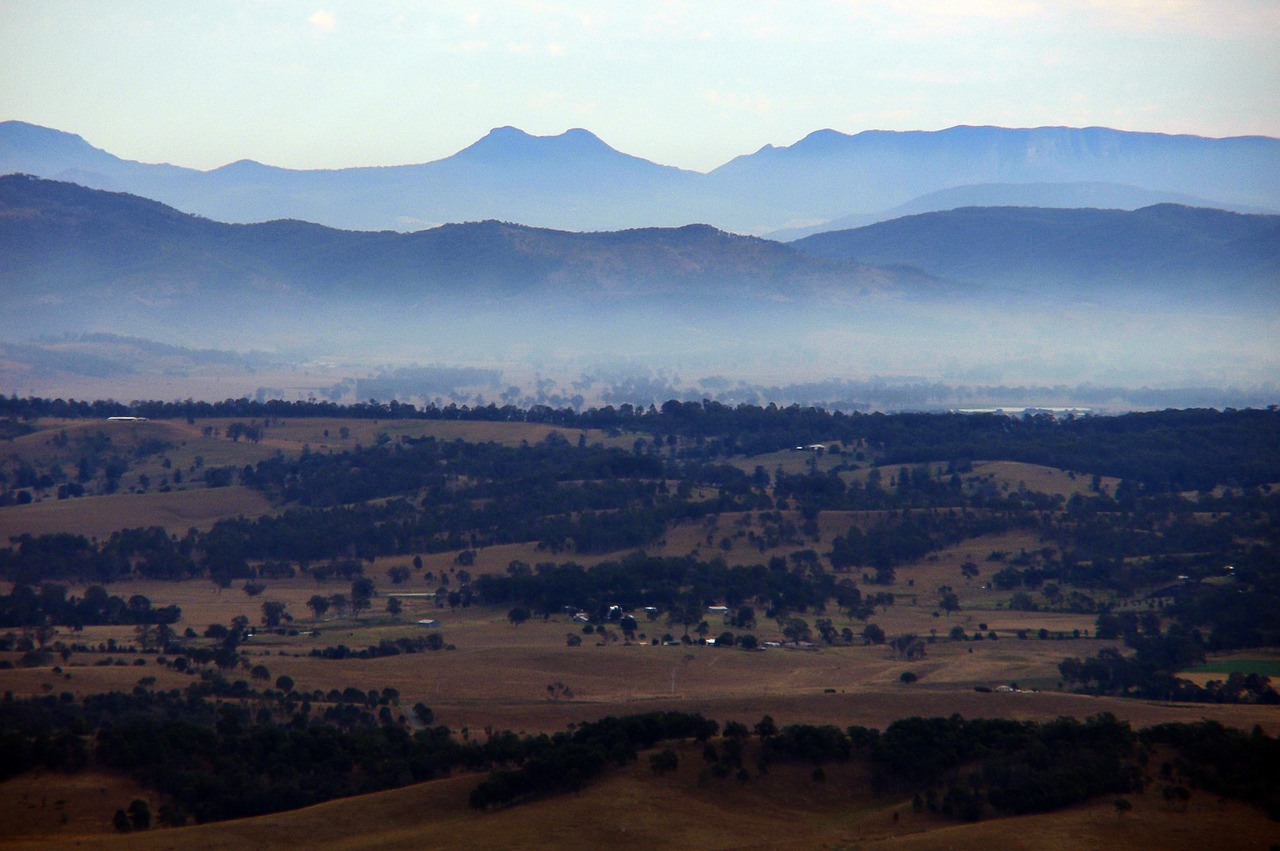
(1173, 247)
(64, 240)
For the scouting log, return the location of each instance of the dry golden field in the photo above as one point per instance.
(1007, 476)
(498, 673)
(99, 516)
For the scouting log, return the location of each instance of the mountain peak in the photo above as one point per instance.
(824, 135)
(19, 137)
(244, 166)
(514, 142)
(506, 132)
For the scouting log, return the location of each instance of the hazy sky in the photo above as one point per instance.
(692, 84)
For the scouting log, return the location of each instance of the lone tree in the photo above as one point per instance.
(140, 814)
(273, 612)
(362, 591)
(318, 605)
(796, 629)
(766, 727)
(909, 645)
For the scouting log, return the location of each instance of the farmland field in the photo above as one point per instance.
(975, 622)
(99, 516)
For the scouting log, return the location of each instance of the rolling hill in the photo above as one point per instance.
(71, 251)
(1103, 196)
(1161, 251)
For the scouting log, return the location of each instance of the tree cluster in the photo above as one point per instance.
(24, 606)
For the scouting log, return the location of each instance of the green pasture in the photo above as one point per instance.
(1263, 667)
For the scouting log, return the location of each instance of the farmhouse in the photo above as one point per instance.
(429, 622)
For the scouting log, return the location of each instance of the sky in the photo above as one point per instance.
(330, 84)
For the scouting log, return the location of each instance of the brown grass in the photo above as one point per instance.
(99, 516)
(54, 806)
(791, 461)
(632, 807)
(1015, 475)
(1008, 476)
(498, 674)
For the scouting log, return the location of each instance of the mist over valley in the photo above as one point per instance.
(1004, 305)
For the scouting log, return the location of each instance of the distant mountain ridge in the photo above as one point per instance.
(1165, 248)
(1101, 196)
(575, 181)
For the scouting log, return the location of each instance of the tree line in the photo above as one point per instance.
(25, 606)
(1170, 450)
(223, 750)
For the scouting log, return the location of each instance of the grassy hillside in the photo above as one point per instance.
(783, 809)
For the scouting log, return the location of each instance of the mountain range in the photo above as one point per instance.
(575, 181)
